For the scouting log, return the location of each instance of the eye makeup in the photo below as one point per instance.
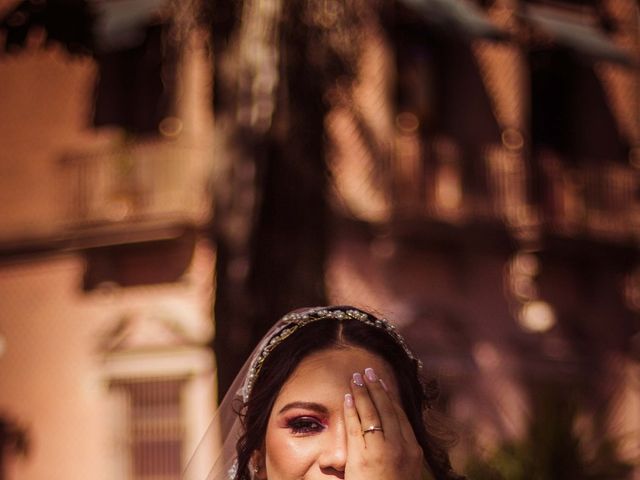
(303, 425)
(304, 418)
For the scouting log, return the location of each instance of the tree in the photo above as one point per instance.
(273, 64)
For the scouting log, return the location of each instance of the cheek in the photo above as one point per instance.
(288, 457)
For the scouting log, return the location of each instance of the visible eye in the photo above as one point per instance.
(305, 425)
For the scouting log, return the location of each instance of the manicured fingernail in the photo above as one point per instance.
(384, 385)
(357, 379)
(348, 400)
(371, 374)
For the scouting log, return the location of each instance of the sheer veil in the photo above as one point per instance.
(215, 456)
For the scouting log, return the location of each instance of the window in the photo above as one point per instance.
(154, 429)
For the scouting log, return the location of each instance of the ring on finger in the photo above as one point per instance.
(371, 429)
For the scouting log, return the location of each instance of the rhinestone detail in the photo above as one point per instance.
(292, 322)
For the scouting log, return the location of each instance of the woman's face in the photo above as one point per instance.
(306, 437)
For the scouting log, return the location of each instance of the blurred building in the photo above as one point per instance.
(486, 172)
(105, 274)
(484, 168)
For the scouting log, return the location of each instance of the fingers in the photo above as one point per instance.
(391, 453)
(381, 402)
(367, 412)
(375, 406)
(355, 439)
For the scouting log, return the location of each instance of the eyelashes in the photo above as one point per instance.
(305, 425)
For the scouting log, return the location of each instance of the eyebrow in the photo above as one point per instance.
(306, 405)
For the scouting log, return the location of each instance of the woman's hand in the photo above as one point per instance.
(381, 444)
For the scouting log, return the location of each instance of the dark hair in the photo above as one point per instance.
(417, 396)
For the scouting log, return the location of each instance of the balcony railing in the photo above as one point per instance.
(135, 182)
(599, 199)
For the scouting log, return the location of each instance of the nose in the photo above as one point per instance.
(333, 458)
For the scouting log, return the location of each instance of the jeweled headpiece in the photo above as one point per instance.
(298, 319)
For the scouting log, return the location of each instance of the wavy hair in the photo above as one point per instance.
(417, 395)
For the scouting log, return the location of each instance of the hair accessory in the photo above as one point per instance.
(298, 319)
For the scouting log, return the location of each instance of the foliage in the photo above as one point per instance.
(553, 449)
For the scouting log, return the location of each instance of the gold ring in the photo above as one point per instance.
(372, 428)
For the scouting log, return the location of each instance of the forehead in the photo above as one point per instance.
(326, 374)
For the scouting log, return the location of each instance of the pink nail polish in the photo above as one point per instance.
(348, 400)
(384, 385)
(357, 379)
(371, 374)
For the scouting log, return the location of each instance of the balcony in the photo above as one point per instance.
(141, 182)
(122, 202)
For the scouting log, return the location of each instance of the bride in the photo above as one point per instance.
(329, 393)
